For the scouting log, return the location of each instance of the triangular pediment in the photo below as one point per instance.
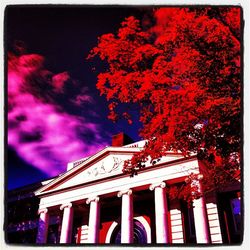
(107, 163)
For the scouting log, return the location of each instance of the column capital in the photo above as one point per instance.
(42, 210)
(69, 205)
(155, 185)
(121, 193)
(92, 199)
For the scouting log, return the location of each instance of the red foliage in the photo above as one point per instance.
(184, 72)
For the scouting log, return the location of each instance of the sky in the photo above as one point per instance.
(55, 113)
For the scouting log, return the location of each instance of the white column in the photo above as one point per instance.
(200, 216)
(42, 226)
(127, 227)
(94, 220)
(161, 222)
(67, 223)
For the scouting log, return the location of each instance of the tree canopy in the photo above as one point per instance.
(182, 68)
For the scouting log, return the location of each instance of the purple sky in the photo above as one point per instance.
(55, 114)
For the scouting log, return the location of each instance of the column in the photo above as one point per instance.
(67, 223)
(127, 228)
(42, 226)
(200, 216)
(94, 220)
(161, 214)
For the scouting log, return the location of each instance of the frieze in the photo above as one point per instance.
(105, 168)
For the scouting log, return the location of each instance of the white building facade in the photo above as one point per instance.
(95, 202)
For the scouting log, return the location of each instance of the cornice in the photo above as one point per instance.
(47, 189)
(87, 162)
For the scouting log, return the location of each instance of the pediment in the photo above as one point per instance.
(104, 164)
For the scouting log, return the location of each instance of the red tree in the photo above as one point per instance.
(183, 71)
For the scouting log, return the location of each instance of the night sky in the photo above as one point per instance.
(55, 112)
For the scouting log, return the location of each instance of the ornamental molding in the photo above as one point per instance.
(157, 185)
(67, 205)
(92, 199)
(105, 168)
(42, 210)
(123, 192)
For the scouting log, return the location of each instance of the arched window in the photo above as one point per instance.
(140, 234)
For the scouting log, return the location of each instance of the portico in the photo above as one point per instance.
(99, 180)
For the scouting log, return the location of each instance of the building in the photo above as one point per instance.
(21, 214)
(95, 202)
(21, 217)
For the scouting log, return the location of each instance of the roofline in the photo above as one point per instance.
(152, 167)
(91, 159)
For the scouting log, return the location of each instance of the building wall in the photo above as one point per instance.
(21, 218)
(176, 222)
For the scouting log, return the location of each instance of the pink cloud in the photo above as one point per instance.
(82, 99)
(59, 80)
(41, 133)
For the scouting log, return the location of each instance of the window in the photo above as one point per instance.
(235, 206)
